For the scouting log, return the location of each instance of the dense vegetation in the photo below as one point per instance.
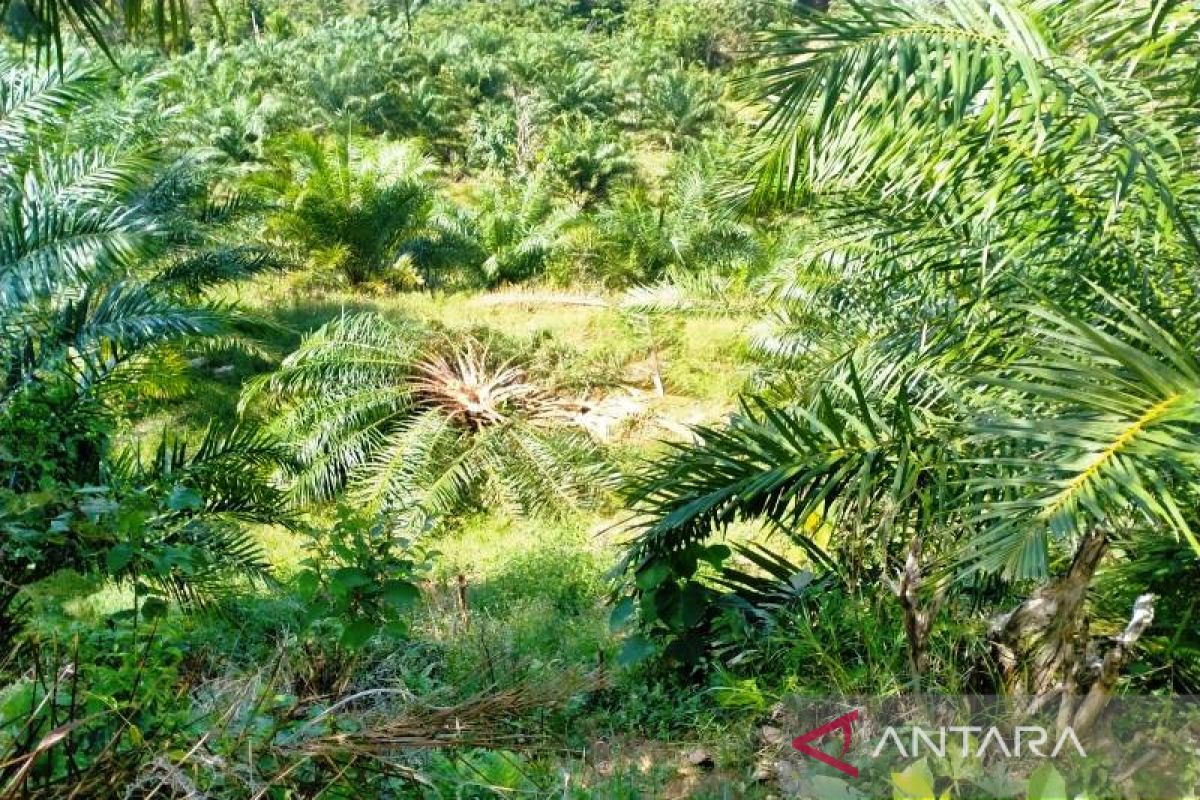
(470, 399)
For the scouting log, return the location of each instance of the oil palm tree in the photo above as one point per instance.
(640, 237)
(511, 234)
(577, 88)
(967, 168)
(90, 308)
(343, 210)
(678, 105)
(414, 423)
(1008, 151)
(588, 158)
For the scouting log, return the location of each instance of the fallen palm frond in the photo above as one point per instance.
(475, 722)
(522, 297)
(251, 744)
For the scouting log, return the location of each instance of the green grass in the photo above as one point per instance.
(593, 347)
(536, 590)
(534, 600)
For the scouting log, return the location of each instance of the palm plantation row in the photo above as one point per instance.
(955, 240)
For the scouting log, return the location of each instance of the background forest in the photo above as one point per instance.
(526, 399)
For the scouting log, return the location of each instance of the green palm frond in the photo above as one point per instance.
(206, 494)
(167, 21)
(83, 179)
(31, 97)
(354, 351)
(767, 583)
(330, 196)
(511, 234)
(1107, 443)
(87, 341)
(221, 553)
(82, 325)
(869, 457)
(45, 244)
(410, 462)
(589, 158)
(412, 423)
(546, 471)
(978, 104)
(709, 293)
(202, 270)
(678, 105)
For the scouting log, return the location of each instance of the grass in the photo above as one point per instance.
(516, 602)
(699, 360)
(534, 595)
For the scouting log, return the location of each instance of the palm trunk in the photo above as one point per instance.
(918, 616)
(1046, 655)
(1035, 643)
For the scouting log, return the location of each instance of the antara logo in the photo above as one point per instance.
(1033, 738)
(1027, 740)
(842, 723)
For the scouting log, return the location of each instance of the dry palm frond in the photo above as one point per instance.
(429, 425)
(525, 297)
(383, 730)
(472, 392)
(375, 732)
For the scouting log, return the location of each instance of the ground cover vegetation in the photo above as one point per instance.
(526, 399)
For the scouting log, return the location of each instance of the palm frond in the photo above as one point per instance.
(86, 341)
(863, 454)
(925, 101)
(32, 97)
(97, 20)
(199, 271)
(208, 493)
(1114, 405)
(412, 423)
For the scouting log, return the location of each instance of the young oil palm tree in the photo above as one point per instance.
(346, 211)
(511, 234)
(678, 105)
(640, 237)
(965, 166)
(577, 87)
(412, 422)
(90, 309)
(588, 158)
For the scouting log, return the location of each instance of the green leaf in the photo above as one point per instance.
(396, 629)
(829, 788)
(1046, 783)
(914, 783)
(401, 594)
(716, 554)
(634, 650)
(347, 579)
(307, 583)
(154, 608)
(119, 557)
(357, 633)
(693, 602)
(652, 574)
